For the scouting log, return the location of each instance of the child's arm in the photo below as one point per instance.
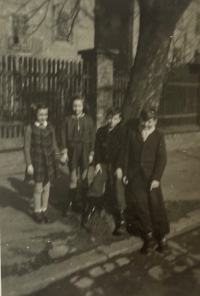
(125, 153)
(55, 146)
(27, 149)
(64, 150)
(92, 146)
(161, 160)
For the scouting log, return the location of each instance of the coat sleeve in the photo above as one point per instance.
(92, 132)
(97, 154)
(161, 160)
(27, 145)
(63, 135)
(126, 152)
(120, 156)
(55, 146)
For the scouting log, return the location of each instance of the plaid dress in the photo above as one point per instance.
(42, 152)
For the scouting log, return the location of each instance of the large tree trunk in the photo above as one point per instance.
(158, 19)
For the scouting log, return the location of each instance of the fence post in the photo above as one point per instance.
(100, 92)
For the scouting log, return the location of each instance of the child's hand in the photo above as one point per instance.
(98, 169)
(119, 173)
(91, 157)
(154, 184)
(125, 180)
(30, 169)
(64, 158)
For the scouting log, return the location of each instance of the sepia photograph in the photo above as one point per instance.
(99, 147)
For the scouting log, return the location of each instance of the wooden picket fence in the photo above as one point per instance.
(27, 80)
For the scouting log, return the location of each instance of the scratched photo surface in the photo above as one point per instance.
(100, 147)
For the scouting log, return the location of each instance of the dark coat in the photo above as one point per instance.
(43, 153)
(78, 140)
(143, 163)
(108, 145)
(150, 156)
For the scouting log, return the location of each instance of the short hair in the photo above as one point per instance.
(148, 113)
(74, 98)
(112, 111)
(36, 107)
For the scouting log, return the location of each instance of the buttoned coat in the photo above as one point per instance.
(143, 163)
(150, 156)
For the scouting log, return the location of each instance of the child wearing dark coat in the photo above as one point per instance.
(144, 163)
(78, 136)
(108, 172)
(41, 158)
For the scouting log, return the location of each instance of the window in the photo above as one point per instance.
(62, 30)
(20, 33)
(197, 28)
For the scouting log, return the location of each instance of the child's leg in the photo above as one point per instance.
(84, 188)
(45, 199)
(72, 193)
(37, 196)
(118, 192)
(45, 196)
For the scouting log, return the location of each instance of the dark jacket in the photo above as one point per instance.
(150, 156)
(74, 138)
(108, 145)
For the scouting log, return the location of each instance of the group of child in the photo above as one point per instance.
(128, 160)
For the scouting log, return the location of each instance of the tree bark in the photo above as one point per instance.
(158, 19)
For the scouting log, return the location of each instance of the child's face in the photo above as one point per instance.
(77, 107)
(114, 120)
(42, 115)
(148, 124)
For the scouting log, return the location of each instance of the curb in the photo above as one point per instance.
(37, 280)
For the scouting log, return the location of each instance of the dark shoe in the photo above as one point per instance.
(38, 217)
(67, 210)
(45, 217)
(119, 222)
(147, 243)
(71, 206)
(162, 245)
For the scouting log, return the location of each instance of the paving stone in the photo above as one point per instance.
(122, 261)
(84, 283)
(179, 268)
(96, 271)
(196, 273)
(156, 272)
(177, 247)
(74, 279)
(190, 262)
(195, 256)
(58, 251)
(195, 233)
(170, 258)
(109, 267)
(73, 250)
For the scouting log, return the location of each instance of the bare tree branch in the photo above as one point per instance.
(72, 24)
(22, 6)
(40, 23)
(34, 11)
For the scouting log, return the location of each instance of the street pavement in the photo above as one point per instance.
(34, 256)
(174, 273)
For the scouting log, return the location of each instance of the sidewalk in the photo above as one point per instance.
(33, 256)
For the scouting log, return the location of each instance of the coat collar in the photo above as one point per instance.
(38, 124)
(79, 116)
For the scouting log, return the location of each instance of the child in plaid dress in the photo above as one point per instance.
(40, 150)
(78, 136)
